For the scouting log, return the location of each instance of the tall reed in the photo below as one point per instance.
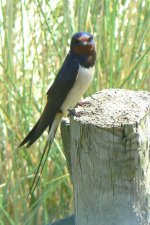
(34, 39)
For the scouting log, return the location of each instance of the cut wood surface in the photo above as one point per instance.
(108, 156)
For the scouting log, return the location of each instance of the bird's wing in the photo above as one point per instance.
(56, 96)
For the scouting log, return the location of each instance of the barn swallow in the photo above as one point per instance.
(71, 82)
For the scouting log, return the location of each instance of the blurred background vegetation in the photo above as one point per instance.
(34, 39)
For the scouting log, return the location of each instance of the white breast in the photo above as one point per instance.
(80, 86)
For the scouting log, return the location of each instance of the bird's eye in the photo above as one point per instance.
(75, 41)
(90, 38)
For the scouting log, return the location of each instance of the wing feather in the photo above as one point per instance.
(56, 96)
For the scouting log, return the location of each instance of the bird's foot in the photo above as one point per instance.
(72, 112)
(83, 103)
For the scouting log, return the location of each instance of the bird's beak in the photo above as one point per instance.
(84, 43)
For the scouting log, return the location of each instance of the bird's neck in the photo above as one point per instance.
(86, 61)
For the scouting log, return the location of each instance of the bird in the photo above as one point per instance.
(70, 84)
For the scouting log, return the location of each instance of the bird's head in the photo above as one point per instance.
(82, 43)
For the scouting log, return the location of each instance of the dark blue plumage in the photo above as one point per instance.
(69, 85)
(56, 95)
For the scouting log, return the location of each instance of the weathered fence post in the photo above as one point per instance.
(109, 148)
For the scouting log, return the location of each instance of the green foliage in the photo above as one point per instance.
(34, 39)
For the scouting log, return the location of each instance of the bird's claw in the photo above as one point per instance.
(72, 112)
(83, 103)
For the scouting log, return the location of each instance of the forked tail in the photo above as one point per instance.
(46, 150)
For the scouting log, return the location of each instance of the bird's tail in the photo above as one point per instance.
(46, 150)
(46, 119)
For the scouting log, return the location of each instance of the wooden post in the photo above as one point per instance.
(109, 147)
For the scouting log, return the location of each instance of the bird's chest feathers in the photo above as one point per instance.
(84, 77)
(83, 81)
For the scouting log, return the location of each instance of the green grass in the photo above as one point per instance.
(34, 39)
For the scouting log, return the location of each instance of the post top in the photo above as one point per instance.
(114, 107)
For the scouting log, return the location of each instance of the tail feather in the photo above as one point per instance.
(28, 137)
(45, 120)
(46, 150)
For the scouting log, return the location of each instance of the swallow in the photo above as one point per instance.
(71, 82)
